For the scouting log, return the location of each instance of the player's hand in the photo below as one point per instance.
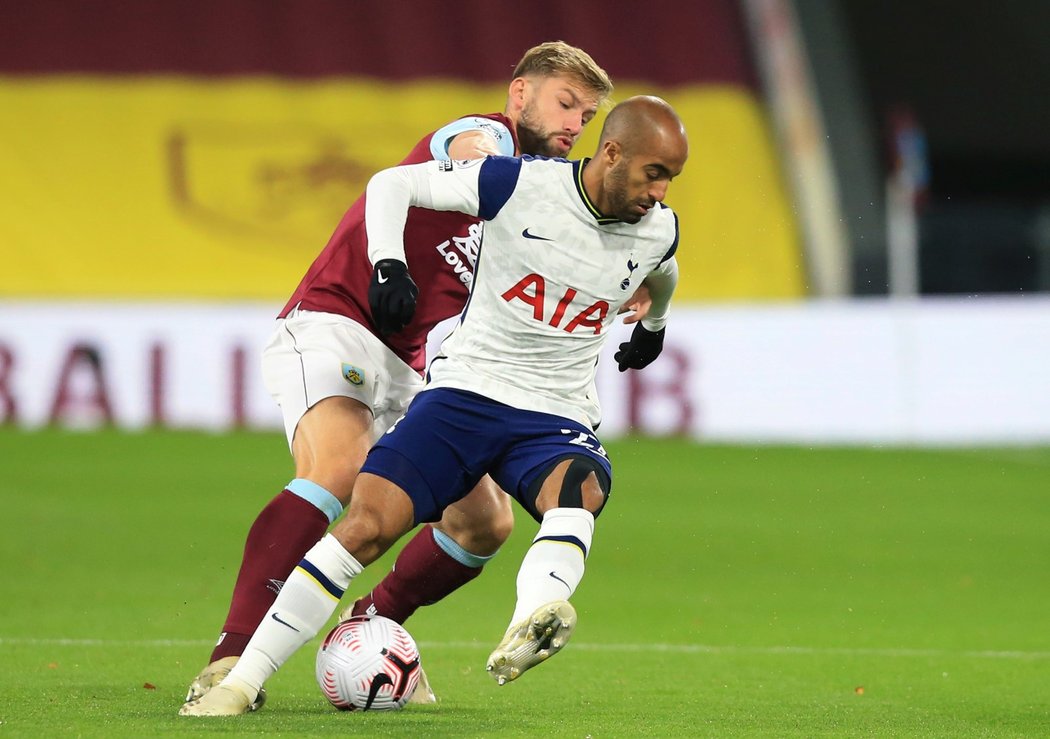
(638, 305)
(391, 296)
(641, 350)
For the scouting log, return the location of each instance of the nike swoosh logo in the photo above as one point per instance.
(381, 278)
(282, 621)
(377, 684)
(527, 235)
(552, 575)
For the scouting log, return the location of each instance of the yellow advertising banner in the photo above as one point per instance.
(184, 188)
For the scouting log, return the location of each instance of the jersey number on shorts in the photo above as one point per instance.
(587, 441)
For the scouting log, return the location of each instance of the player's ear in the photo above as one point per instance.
(612, 151)
(516, 92)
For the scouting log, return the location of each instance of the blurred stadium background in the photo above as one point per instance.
(171, 169)
(866, 228)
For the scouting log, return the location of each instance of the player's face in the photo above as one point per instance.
(634, 185)
(553, 114)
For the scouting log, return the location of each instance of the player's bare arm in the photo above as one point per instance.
(473, 145)
(637, 306)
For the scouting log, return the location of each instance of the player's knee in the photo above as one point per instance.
(503, 522)
(499, 512)
(481, 524)
(331, 443)
(482, 535)
(336, 476)
(381, 514)
(343, 473)
(363, 535)
(334, 468)
(578, 482)
(500, 524)
(592, 495)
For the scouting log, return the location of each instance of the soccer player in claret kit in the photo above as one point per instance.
(511, 392)
(343, 373)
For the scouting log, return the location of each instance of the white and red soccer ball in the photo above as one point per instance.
(368, 663)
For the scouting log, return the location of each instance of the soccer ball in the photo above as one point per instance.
(368, 663)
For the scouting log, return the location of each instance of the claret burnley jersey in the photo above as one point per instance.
(551, 274)
(440, 246)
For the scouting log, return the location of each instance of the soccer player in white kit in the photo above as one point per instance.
(511, 392)
(342, 373)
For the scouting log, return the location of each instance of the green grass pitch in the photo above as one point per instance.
(731, 591)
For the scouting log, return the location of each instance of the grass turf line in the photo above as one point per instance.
(816, 592)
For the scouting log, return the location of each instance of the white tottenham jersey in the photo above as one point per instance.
(551, 274)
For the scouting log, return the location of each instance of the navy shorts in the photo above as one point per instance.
(449, 439)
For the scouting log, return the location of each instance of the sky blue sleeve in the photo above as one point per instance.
(443, 136)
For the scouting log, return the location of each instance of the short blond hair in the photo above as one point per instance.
(559, 58)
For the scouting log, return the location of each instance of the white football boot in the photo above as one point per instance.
(532, 641)
(221, 700)
(423, 694)
(211, 676)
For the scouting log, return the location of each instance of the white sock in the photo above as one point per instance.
(553, 566)
(309, 596)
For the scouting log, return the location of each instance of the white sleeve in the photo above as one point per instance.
(661, 283)
(434, 185)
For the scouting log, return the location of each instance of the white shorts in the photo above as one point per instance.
(313, 356)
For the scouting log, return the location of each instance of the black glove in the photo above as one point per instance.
(641, 350)
(391, 296)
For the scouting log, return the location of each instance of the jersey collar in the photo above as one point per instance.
(578, 179)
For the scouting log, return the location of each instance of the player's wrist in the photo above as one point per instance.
(391, 265)
(653, 324)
